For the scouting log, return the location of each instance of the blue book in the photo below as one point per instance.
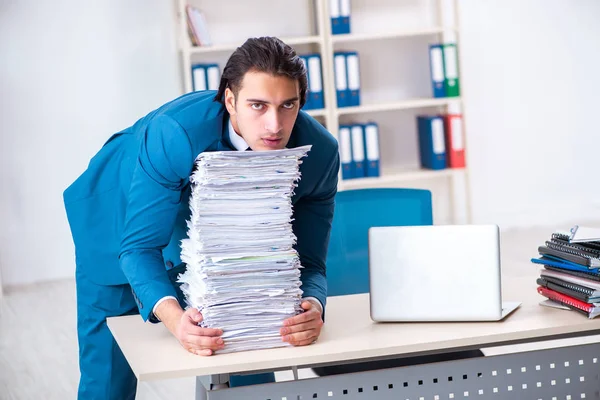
(432, 147)
(346, 152)
(436, 69)
(371, 130)
(353, 73)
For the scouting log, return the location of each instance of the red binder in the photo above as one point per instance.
(455, 141)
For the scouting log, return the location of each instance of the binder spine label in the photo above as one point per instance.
(213, 78)
(437, 133)
(314, 66)
(437, 66)
(358, 148)
(346, 152)
(457, 135)
(353, 72)
(372, 143)
(450, 62)
(199, 79)
(340, 72)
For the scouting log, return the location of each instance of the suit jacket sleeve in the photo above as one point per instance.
(161, 171)
(312, 226)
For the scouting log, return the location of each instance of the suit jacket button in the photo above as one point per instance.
(169, 264)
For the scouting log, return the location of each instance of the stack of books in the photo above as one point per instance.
(242, 271)
(571, 274)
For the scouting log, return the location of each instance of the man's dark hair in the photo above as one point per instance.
(264, 54)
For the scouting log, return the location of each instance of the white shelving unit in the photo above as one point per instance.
(384, 32)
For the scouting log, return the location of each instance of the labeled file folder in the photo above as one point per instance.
(315, 82)
(205, 77)
(451, 81)
(353, 71)
(372, 148)
(455, 143)
(341, 79)
(334, 13)
(344, 16)
(358, 150)
(339, 12)
(436, 69)
(346, 152)
(432, 148)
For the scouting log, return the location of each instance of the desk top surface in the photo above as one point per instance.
(350, 334)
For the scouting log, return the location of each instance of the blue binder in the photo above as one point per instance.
(199, 80)
(357, 135)
(308, 105)
(371, 130)
(344, 8)
(436, 70)
(336, 18)
(205, 77)
(346, 152)
(341, 79)
(432, 147)
(353, 73)
(315, 81)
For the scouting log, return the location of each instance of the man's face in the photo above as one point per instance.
(265, 110)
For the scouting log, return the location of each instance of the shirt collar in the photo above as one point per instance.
(236, 140)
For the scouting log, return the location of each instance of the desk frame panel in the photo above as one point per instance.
(561, 373)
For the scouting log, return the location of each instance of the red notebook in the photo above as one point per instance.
(591, 310)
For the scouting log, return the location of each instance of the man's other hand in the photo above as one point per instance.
(304, 328)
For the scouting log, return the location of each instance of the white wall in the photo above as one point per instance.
(531, 102)
(72, 73)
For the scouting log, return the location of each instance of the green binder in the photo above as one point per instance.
(451, 81)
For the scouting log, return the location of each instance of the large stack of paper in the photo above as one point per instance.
(243, 273)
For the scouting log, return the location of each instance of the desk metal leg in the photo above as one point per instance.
(204, 384)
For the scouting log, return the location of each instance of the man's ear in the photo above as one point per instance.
(230, 101)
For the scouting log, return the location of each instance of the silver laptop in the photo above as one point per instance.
(436, 273)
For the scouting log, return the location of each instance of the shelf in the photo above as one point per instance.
(399, 105)
(292, 41)
(359, 37)
(392, 178)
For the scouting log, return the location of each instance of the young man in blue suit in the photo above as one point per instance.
(127, 211)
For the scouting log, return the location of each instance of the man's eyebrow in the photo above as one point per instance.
(266, 102)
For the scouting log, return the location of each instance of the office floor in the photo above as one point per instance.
(38, 345)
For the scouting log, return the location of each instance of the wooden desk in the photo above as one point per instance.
(350, 335)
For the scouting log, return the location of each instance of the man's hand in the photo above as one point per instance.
(304, 328)
(184, 326)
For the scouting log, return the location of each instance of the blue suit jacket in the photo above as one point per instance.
(127, 211)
